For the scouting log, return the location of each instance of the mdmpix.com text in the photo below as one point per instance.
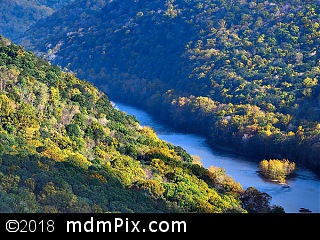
(125, 225)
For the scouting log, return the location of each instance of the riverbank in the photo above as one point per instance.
(303, 190)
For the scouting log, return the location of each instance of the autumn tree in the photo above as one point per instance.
(276, 169)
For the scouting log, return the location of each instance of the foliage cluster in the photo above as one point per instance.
(18, 15)
(65, 148)
(275, 169)
(245, 74)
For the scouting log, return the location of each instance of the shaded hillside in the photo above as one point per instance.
(64, 148)
(16, 16)
(244, 74)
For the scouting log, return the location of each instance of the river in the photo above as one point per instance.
(302, 191)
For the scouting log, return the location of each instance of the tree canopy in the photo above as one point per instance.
(62, 155)
(245, 74)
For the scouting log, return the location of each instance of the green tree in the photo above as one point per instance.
(73, 130)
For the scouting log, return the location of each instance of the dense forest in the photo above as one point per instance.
(245, 74)
(65, 149)
(16, 16)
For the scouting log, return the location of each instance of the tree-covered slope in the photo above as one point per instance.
(243, 73)
(64, 148)
(16, 16)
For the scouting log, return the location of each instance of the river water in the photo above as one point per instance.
(301, 192)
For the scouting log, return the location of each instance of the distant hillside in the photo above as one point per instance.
(244, 74)
(16, 16)
(64, 148)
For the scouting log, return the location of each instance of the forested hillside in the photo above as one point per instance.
(16, 16)
(65, 149)
(245, 74)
